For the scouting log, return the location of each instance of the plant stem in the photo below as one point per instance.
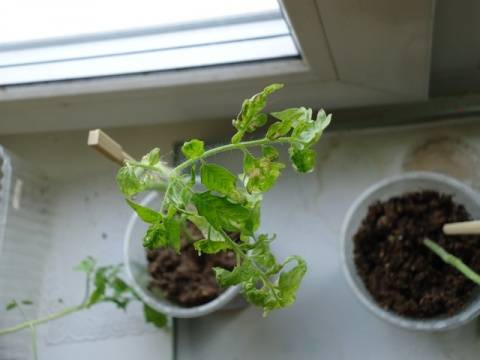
(240, 146)
(228, 147)
(453, 260)
(33, 323)
(160, 167)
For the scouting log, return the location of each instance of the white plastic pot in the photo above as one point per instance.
(139, 278)
(384, 190)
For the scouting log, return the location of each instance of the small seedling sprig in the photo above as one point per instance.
(103, 285)
(230, 203)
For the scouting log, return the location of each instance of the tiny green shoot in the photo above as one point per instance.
(453, 261)
(104, 284)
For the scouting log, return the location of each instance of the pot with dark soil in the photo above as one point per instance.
(387, 263)
(187, 278)
(179, 284)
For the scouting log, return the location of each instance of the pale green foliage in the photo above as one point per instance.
(193, 149)
(228, 203)
(163, 233)
(154, 317)
(260, 174)
(134, 177)
(250, 117)
(105, 285)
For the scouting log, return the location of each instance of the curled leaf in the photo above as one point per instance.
(250, 117)
(133, 179)
(303, 160)
(193, 149)
(152, 158)
(260, 173)
(164, 233)
(209, 246)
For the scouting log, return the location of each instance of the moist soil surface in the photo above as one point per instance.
(401, 273)
(187, 278)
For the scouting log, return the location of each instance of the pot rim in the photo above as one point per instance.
(165, 306)
(432, 324)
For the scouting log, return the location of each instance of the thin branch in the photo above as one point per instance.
(54, 316)
(228, 147)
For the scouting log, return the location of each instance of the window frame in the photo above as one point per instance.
(305, 27)
(216, 92)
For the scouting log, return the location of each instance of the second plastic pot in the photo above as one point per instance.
(383, 190)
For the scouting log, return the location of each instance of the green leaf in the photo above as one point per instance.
(163, 234)
(154, 317)
(97, 295)
(278, 129)
(152, 158)
(132, 179)
(265, 297)
(289, 118)
(27, 302)
(279, 294)
(237, 137)
(323, 119)
(307, 133)
(222, 214)
(172, 229)
(11, 305)
(250, 117)
(290, 280)
(302, 160)
(146, 214)
(243, 272)
(193, 149)
(210, 247)
(260, 173)
(119, 286)
(179, 192)
(263, 256)
(100, 282)
(205, 228)
(217, 178)
(155, 236)
(270, 152)
(293, 115)
(87, 265)
(127, 180)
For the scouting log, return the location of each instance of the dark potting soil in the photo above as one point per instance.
(186, 278)
(402, 274)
